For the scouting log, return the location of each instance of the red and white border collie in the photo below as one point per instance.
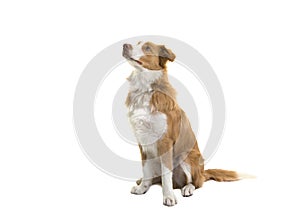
(168, 147)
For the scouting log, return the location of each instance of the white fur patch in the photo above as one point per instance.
(187, 190)
(140, 189)
(141, 80)
(187, 171)
(169, 198)
(148, 126)
(245, 176)
(137, 51)
(151, 168)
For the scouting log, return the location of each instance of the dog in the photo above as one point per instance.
(168, 146)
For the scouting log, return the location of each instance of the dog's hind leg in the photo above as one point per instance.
(189, 188)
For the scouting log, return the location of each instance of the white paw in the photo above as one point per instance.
(170, 200)
(140, 189)
(187, 190)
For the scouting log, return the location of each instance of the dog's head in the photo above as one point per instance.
(148, 55)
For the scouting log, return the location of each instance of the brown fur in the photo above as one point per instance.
(156, 56)
(164, 100)
(220, 175)
(143, 155)
(179, 140)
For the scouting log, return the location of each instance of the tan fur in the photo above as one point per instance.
(179, 140)
(220, 175)
(143, 155)
(156, 56)
(167, 104)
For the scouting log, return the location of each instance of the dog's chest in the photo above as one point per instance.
(148, 126)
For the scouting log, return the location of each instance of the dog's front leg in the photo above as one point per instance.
(146, 181)
(166, 157)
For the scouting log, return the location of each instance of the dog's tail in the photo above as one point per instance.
(224, 175)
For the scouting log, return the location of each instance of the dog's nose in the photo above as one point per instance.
(126, 46)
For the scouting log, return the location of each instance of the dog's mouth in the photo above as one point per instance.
(127, 54)
(137, 61)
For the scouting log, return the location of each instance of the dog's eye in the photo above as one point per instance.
(147, 48)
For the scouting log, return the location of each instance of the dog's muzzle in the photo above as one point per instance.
(127, 49)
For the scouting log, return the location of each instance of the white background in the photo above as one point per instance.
(254, 48)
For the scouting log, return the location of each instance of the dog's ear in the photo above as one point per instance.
(166, 53)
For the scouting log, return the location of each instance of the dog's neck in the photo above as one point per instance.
(141, 80)
(147, 81)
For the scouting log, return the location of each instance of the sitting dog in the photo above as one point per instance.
(168, 147)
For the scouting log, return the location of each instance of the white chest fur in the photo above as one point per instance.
(148, 126)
